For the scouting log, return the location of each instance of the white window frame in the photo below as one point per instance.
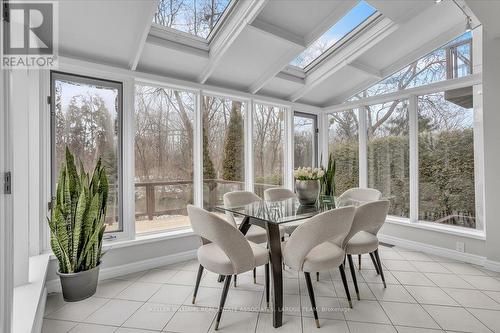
(130, 79)
(474, 80)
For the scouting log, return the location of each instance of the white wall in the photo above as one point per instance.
(20, 171)
(491, 114)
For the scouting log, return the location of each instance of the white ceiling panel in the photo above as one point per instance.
(107, 31)
(413, 34)
(337, 84)
(280, 88)
(158, 59)
(250, 57)
(303, 18)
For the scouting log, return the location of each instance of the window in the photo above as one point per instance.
(388, 154)
(305, 143)
(223, 148)
(268, 141)
(452, 60)
(196, 17)
(86, 118)
(354, 18)
(344, 145)
(446, 160)
(163, 157)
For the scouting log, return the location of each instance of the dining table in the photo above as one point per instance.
(270, 215)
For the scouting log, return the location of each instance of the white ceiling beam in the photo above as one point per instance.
(291, 77)
(346, 55)
(148, 20)
(243, 14)
(278, 32)
(198, 50)
(432, 88)
(366, 69)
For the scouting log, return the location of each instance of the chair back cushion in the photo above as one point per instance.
(333, 224)
(278, 194)
(231, 241)
(238, 198)
(369, 217)
(358, 195)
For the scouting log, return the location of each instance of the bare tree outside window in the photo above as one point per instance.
(197, 17)
(223, 148)
(87, 121)
(445, 141)
(163, 157)
(268, 139)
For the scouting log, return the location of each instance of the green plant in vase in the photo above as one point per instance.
(77, 227)
(328, 179)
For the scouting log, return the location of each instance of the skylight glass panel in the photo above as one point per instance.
(196, 17)
(357, 15)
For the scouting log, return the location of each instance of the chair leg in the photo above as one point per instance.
(266, 272)
(346, 287)
(255, 275)
(380, 267)
(311, 297)
(374, 263)
(235, 277)
(359, 261)
(227, 282)
(198, 279)
(317, 276)
(353, 274)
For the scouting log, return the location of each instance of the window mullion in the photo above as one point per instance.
(288, 149)
(413, 133)
(363, 165)
(248, 124)
(198, 152)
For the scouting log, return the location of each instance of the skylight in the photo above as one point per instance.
(357, 15)
(196, 17)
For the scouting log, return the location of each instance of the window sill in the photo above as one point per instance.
(28, 297)
(149, 238)
(451, 230)
(142, 239)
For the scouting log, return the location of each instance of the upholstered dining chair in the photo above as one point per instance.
(225, 251)
(362, 237)
(309, 248)
(356, 196)
(254, 234)
(278, 194)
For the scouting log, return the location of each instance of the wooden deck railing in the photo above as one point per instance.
(212, 199)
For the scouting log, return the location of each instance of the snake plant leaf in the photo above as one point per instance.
(103, 188)
(81, 210)
(77, 219)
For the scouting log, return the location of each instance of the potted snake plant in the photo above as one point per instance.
(77, 227)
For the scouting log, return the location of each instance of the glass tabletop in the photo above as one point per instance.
(284, 211)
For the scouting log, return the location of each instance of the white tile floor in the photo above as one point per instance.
(424, 294)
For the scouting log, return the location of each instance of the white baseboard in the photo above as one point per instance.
(439, 251)
(111, 272)
(37, 325)
(492, 265)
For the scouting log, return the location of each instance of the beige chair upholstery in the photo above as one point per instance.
(309, 248)
(224, 251)
(279, 194)
(362, 237)
(236, 198)
(358, 195)
(368, 220)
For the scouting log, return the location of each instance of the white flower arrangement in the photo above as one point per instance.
(308, 173)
